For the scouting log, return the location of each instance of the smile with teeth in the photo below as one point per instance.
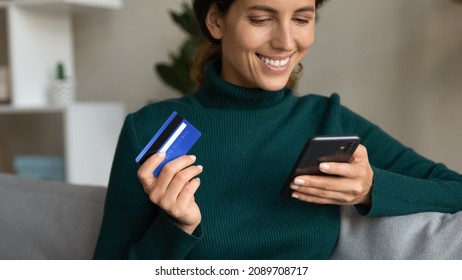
(274, 62)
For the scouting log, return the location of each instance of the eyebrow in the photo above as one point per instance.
(274, 11)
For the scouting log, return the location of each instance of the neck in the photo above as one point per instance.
(218, 93)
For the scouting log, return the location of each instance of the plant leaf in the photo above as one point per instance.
(176, 73)
(186, 20)
(174, 78)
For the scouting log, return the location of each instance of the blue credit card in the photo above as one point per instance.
(175, 138)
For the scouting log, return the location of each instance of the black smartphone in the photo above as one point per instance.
(321, 149)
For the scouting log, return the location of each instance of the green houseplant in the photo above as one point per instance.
(176, 73)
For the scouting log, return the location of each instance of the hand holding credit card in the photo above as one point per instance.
(175, 138)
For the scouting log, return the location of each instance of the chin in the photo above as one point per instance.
(274, 86)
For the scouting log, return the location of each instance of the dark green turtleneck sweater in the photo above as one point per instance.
(250, 141)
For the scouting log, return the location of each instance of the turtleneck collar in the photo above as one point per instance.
(218, 93)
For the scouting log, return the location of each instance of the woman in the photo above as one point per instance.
(253, 129)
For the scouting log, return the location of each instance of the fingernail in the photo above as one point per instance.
(295, 196)
(299, 182)
(294, 187)
(193, 158)
(200, 167)
(161, 154)
(324, 166)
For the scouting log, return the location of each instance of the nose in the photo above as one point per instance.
(283, 38)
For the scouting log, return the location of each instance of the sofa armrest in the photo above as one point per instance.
(48, 220)
(417, 236)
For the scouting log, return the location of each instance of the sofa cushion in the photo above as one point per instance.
(48, 220)
(417, 236)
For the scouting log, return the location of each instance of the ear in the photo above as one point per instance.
(214, 22)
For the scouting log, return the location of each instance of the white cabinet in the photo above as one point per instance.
(39, 35)
(85, 134)
(36, 35)
(91, 132)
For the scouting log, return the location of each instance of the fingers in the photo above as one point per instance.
(180, 185)
(173, 190)
(187, 195)
(322, 184)
(327, 190)
(172, 181)
(333, 198)
(331, 190)
(351, 169)
(145, 171)
(169, 171)
(176, 203)
(351, 184)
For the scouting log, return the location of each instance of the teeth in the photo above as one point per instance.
(274, 63)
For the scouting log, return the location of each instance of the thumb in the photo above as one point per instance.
(146, 169)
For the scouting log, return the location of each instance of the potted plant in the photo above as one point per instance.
(176, 73)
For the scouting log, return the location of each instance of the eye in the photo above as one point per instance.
(259, 20)
(301, 21)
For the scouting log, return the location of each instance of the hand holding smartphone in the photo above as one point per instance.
(321, 149)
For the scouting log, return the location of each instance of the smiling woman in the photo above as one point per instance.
(255, 39)
(258, 27)
(253, 130)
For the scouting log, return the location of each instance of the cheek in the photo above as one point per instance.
(305, 40)
(310, 41)
(241, 38)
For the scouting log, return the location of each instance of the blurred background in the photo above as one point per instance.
(397, 63)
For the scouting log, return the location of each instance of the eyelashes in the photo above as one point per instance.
(267, 20)
(301, 21)
(259, 21)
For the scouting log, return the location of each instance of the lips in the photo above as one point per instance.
(277, 63)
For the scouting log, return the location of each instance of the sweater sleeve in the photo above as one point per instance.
(404, 181)
(133, 227)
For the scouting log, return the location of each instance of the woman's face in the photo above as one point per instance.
(263, 40)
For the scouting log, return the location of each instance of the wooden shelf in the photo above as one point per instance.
(10, 109)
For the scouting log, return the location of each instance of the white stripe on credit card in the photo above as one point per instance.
(173, 138)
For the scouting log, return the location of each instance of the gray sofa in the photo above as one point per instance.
(50, 220)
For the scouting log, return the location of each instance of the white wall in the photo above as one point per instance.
(116, 51)
(398, 63)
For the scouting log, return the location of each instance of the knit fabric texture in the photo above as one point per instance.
(250, 141)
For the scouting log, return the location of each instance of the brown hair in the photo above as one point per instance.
(210, 48)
